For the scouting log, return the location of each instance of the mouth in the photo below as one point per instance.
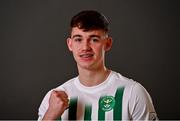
(86, 56)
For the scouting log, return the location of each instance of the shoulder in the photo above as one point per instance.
(133, 89)
(139, 94)
(67, 84)
(136, 99)
(121, 80)
(62, 87)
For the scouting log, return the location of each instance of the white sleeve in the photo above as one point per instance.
(141, 106)
(44, 106)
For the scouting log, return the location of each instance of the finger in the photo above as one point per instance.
(65, 99)
(54, 93)
(64, 94)
(66, 105)
(61, 93)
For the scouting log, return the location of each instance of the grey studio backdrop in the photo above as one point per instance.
(34, 57)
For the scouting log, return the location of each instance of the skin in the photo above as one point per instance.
(58, 103)
(88, 49)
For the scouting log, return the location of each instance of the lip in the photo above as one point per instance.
(86, 56)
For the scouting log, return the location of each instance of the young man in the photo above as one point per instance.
(97, 93)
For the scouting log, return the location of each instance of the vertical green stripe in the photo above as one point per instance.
(117, 114)
(88, 111)
(72, 109)
(101, 113)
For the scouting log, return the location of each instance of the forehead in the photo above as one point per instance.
(77, 31)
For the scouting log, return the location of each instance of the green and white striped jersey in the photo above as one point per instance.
(117, 98)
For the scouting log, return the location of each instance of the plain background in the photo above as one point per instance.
(34, 57)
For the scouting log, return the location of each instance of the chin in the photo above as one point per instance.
(86, 66)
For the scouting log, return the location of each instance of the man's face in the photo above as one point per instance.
(88, 47)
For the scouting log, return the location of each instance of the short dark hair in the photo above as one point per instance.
(90, 20)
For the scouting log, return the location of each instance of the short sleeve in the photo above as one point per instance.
(44, 106)
(45, 103)
(141, 105)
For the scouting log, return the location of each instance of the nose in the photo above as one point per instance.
(86, 46)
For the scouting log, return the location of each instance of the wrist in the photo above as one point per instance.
(51, 115)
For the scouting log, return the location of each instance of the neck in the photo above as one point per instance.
(93, 77)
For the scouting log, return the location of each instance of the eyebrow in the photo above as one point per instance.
(78, 35)
(95, 36)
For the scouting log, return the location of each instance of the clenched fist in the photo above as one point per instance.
(58, 103)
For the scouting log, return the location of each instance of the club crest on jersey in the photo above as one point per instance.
(107, 103)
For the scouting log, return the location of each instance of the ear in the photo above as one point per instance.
(69, 43)
(108, 43)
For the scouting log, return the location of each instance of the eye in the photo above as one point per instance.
(95, 40)
(77, 39)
